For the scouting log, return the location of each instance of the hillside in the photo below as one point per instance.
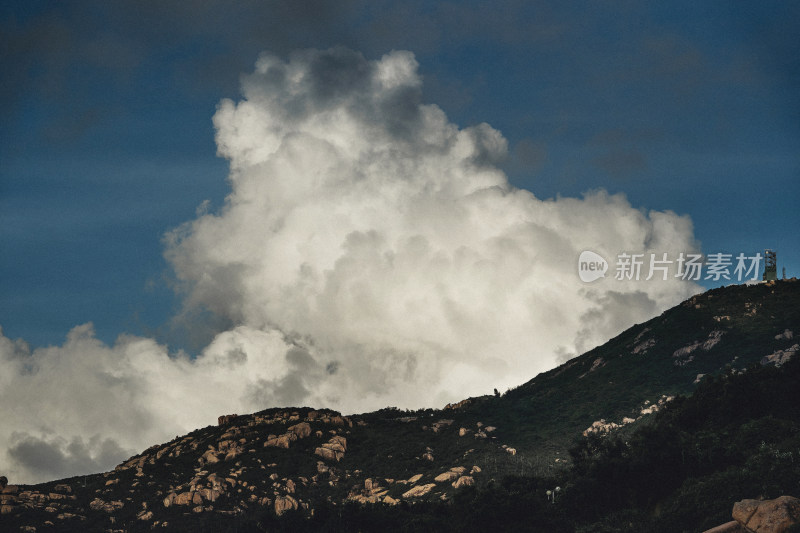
(635, 373)
(315, 466)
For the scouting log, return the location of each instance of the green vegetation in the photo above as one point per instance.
(737, 437)
(733, 434)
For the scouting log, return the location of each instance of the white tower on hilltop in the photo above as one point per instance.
(770, 265)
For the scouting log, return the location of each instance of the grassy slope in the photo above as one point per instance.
(543, 415)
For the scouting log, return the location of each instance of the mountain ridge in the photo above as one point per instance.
(295, 460)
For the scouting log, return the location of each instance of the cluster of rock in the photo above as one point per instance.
(204, 488)
(225, 450)
(372, 492)
(334, 449)
(285, 503)
(693, 302)
(98, 504)
(458, 405)
(650, 408)
(639, 346)
(684, 355)
(428, 455)
(601, 427)
(293, 433)
(208, 489)
(768, 516)
(455, 476)
(440, 425)
(217, 484)
(201, 493)
(481, 432)
(57, 501)
(226, 419)
(418, 490)
(597, 363)
(232, 444)
(779, 357)
(642, 347)
(155, 453)
(509, 450)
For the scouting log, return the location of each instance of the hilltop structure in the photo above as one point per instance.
(770, 266)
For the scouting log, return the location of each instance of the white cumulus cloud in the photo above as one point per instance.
(370, 253)
(366, 225)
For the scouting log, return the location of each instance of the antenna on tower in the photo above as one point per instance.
(770, 265)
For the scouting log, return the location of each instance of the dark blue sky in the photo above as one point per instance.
(106, 139)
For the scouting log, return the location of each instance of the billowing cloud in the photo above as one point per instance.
(83, 406)
(370, 253)
(364, 223)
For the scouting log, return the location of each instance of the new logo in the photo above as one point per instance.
(591, 266)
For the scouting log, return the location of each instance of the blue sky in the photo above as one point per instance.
(106, 139)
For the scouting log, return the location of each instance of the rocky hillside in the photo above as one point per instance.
(634, 374)
(251, 469)
(279, 459)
